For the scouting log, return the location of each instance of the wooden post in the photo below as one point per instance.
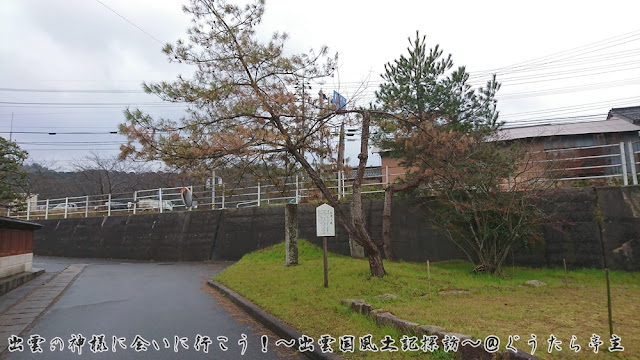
(566, 282)
(326, 265)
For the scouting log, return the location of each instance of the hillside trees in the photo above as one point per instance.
(243, 106)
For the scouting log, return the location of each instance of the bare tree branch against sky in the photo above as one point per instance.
(71, 67)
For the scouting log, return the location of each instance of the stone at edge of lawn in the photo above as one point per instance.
(358, 305)
(387, 297)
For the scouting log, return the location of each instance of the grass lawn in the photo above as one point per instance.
(495, 306)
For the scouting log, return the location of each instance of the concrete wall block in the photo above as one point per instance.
(192, 235)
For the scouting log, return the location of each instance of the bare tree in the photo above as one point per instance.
(109, 174)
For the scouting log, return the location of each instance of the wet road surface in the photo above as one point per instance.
(151, 305)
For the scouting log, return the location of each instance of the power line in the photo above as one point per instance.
(134, 25)
(90, 91)
(62, 133)
(65, 143)
(71, 149)
(88, 104)
(569, 51)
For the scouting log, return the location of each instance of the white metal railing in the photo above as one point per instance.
(217, 195)
(608, 162)
(589, 162)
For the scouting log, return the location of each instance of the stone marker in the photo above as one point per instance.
(291, 234)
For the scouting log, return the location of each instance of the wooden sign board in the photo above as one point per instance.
(325, 221)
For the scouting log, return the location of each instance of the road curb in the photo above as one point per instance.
(270, 322)
(13, 282)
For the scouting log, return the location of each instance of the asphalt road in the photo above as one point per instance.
(149, 305)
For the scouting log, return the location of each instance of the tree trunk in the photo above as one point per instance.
(357, 230)
(375, 260)
(376, 266)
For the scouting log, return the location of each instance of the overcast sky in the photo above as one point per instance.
(573, 58)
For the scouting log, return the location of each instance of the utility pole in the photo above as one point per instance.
(341, 159)
(302, 121)
(341, 148)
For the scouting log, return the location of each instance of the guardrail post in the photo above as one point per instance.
(297, 189)
(135, 201)
(28, 209)
(258, 193)
(109, 207)
(160, 199)
(339, 189)
(8, 212)
(344, 187)
(213, 189)
(66, 206)
(223, 195)
(632, 156)
(623, 160)
(386, 173)
(46, 210)
(86, 206)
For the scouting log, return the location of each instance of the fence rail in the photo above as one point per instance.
(215, 195)
(612, 163)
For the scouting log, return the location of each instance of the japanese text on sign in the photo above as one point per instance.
(325, 221)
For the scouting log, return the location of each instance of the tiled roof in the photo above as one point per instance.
(630, 113)
(587, 127)
(368, 172)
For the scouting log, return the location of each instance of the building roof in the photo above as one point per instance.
(369, 172)
(9, 223)
(628, 113)
(612, 125)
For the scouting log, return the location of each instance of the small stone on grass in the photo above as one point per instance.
(387, 297)
(536, 283)
(454, 292)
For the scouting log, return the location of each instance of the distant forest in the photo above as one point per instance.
(48, 183)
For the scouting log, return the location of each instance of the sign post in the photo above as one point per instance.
(325, 226)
